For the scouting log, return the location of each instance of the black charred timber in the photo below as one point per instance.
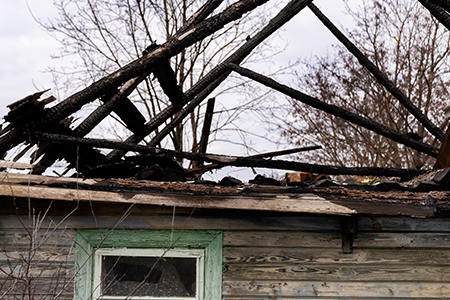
(168, 82)
(445, 4)
(207, 125)
(206, 130)
(186, 111)
(114, 102)
(117, 102)
(203, 169)
(232, 160)
(439, 12)
(21, 116)
(219, 73)
(339, 112)
(172, 47)
(50, 152)
(26, 109)
(166, 78)
(380, 76)
(130, 115)
(285, 152)
(148, 160)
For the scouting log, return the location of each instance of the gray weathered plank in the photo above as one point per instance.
(44, 254)
(282, 239)
(14, 165)
(401, 240)
(303, 203)
(403, 224)
(339, 289)
(43, 288)
(196, 221)
(19, 239)
(228, 297)
(38, 270)
(406, 256)
(348, 272)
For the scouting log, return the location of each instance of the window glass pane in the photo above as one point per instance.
(149, 276)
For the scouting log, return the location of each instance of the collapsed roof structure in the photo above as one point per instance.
(32, 123)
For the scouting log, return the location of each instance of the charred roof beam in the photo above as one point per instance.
(231, 160)
(172, 47)
(218, 73)
(339, 112)
(380, 76)
(440, 12)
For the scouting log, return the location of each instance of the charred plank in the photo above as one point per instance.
(232, 160)
(438, 12)
(380, 76)
(219, 73)
(339, 112)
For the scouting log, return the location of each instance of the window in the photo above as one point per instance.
(113, 265)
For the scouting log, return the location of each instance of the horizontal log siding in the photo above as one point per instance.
(36, 266)
(266, 257)
(401, 258)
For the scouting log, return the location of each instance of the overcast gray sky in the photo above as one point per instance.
(25, 50)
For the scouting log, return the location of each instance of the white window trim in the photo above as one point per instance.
(176, 253)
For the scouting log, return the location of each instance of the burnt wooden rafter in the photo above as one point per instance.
(167, 79)
(231, 160)
(116, 102)
(213, 166)
(129, 114)
(443, 158)
(111, 104)
(134, 69)
(206, 129)
(201, 14)
(216, 75)
(339, 112)
(380, 76)
(185, 112)
(445, 4)
(438, 11)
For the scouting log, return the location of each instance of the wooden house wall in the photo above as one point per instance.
(280, 256)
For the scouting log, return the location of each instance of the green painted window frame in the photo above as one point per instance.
(89, 240)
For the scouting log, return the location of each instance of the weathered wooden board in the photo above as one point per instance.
(403, 224)
(14, 165)
(20, 239)
(305, 203)
(160, 219)
(49, 255)
(38, 270)
(330, 240)
(42, 288)
(196, 221)
(282, 199)
(15, 178)
(228, 297)
(332, 272)
(337, 289)
(406, 256)
(402, 240)
(277, 239)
